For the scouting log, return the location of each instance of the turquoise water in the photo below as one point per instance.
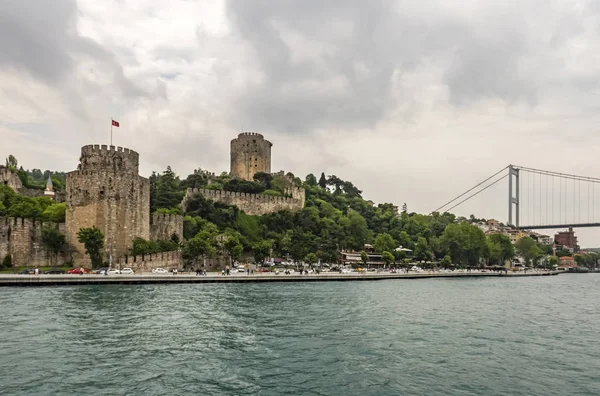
(494, 336)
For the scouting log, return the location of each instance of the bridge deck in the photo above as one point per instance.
(553, 226)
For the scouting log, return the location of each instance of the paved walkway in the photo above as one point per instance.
(147, 278)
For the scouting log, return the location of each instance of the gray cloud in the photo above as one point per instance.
(41, 38)
(364, 44)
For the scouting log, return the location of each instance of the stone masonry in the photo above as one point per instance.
(22, 238)
(10, 178)
(165, 225)
(250, 153)
(252, 204)
(107, 192)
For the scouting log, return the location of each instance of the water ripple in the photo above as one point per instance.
(529, 336)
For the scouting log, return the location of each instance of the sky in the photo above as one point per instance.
(414, 102)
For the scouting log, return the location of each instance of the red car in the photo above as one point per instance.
(77, 271)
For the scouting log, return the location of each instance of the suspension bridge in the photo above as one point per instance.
(541, 199)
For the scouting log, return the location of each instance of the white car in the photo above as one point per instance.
(113, 271)
(160, 271)
(127, 271)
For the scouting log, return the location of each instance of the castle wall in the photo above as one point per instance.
(165, 225)
(22, 238)
(107, 192)
(250, 153)
(10, 178)
(252, 204)
(146, 263)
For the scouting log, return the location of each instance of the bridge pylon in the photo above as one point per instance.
(513, 199)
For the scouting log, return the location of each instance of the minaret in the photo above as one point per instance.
(49, 192)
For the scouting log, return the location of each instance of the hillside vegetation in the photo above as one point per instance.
(335, 218)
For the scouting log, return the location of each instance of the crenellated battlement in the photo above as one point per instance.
(96, 157)
(93, 148)
(252, 204)
(148, 262)
(165, 225)
(22, 238)
(254, 135)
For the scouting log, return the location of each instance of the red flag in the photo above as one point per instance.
(115, 123)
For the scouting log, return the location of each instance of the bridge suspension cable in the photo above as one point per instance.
(471, 189)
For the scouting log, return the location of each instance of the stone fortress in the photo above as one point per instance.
(107, 191)
(250, 154)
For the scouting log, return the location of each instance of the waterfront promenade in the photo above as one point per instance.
(148, 278)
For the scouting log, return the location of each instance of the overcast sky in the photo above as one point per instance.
(411, 101)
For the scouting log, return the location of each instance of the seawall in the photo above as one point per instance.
(66, 280)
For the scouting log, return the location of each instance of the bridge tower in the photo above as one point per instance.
(513, 199)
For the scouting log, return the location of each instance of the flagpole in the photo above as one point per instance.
(111, 131)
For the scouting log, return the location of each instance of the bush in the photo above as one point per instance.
(243, 186)
(6, 262)
(171, 211)
(274, 193)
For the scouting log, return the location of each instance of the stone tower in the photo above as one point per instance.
(250, 153)
(107, 192)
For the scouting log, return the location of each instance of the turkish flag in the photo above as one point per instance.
(115, 123)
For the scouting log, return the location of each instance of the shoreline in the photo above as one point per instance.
(70, 280)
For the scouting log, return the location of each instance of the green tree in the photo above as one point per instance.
(552, 261)
(384, 242)
(465, 243)
(528, 249)
(364, 257)
(263, 178)
(422, 250)
(11, 162)
(55, 213)
(141, 246)
(311, 259)
(198, 247)
(169, 211)
(311, 180)
(261, 251)
(323, 181)
(53, 240)
(446, 261)
(503, 248)
(93, 241)
(388, 258)
(165, 190)
(231, 245)
(580, 260)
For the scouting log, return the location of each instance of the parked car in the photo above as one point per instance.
(77, 271)
(160, 271)
(55, 271)
(127, 271)
(100, 271)
(113, 271)
(26, 271)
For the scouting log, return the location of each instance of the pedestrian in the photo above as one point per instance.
(36, 271)
(81, 271)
